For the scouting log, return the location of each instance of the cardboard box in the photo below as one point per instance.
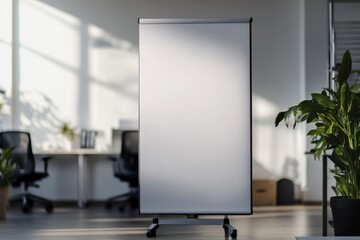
(264, 192)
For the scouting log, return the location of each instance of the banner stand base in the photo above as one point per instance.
(230, 231)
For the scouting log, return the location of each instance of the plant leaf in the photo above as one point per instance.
(355, 89)
(7, 166)
(344, 93)
(345, 68)
(331, 92)
(323, 100)
(280, 116)
(308, 106)
(312, 117)
(316, 131)
(336, 160)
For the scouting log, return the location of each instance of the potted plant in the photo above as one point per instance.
(69, 133)
(335, 116)
(7, 167)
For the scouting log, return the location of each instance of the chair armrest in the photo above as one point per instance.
(113, 159)
(46, 160)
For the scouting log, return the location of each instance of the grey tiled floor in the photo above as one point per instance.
(98, 223)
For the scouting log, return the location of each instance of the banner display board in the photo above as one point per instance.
(195, 116)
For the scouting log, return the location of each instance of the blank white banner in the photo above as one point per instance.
(195, 116)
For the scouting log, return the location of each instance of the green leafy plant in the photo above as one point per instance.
(67, 131)
(7, 167)
(335, 115)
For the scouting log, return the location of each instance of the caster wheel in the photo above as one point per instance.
(108, 205)
(234, 234)
(49, 208)
(150, 234)
(30, 203)
(25, 208)
(134, 205)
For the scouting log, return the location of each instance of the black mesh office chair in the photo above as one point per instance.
(126, 169)
(25, 170)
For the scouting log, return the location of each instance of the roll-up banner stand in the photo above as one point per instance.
(195, 118)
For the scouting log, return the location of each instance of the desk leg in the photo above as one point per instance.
(81, 182)
(85, 173)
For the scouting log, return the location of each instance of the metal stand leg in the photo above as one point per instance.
(82, 181)
(81, 190)
(230, 231)
(324, 196)
(85, 180)
(151, 231)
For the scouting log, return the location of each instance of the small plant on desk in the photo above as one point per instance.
(67, 131)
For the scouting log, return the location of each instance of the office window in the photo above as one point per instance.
(113, 79)
(5, 60)
(346, 25)
(48, 68)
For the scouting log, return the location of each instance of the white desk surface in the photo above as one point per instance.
(79, 151)
(82, 154)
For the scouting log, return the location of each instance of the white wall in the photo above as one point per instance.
(316, 79)
(5, 59)
(79, 64)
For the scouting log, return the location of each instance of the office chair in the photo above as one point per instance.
(126, 169)
(25, 169)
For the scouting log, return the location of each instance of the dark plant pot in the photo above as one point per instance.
(346, 216)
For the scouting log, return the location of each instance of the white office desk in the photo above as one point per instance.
(81, 154)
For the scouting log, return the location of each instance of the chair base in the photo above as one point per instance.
(131, 197)
(27, 201)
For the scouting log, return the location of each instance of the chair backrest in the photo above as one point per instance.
(130, 144)
(22, 152)
(126, 167)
